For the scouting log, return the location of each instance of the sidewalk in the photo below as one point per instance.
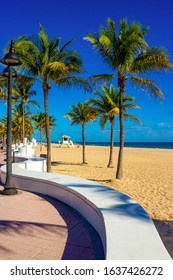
(38, 227)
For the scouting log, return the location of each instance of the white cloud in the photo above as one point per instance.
(165, 125)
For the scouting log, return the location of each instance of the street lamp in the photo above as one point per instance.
(10, 59)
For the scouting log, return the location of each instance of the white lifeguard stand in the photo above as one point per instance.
(66, 141)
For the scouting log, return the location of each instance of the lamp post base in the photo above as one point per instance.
(9, 191)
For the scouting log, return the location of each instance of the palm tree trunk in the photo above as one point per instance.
(121, 85)
(83, 145)
(46, 89)
(110, 163)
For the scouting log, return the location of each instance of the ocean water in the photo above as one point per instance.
(155, 145)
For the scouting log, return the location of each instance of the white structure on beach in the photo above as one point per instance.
(66, 140)
(26, 149)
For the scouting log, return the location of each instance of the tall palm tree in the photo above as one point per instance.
(127, 53)
(44, 59)
(82, 114)
(40, 124)
(107, 106)
(22, 93)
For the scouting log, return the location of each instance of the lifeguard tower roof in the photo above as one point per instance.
(65, 136)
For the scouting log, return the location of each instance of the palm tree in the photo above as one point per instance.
(107, 106)
(17, 124)
(128, 53)
(82, 114)
(45, 60)
(40, 123)
(22, 94)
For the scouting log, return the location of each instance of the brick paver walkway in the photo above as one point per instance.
(39, 227)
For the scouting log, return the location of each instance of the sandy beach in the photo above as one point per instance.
(148, 178)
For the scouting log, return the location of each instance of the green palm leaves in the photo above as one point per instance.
(44, 58)
(118, 49)
(106, 104)
(81, 114)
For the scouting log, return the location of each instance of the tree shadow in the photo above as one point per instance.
(120, 204)
(27, 228)
(56, 163)
(98, 180)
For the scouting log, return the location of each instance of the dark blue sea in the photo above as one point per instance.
(155, 145)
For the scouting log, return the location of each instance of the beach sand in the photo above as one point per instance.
(148, 178)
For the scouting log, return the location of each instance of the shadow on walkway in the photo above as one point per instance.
(83, 242)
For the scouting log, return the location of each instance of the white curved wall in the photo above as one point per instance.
(126, 230)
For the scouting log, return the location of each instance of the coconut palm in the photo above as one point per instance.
(106, 104)
(40, 124)
(22, 93)
(127, 53)
(82, 114)
(44, 59)
(17, 124)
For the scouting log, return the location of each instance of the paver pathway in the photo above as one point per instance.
(39, 227)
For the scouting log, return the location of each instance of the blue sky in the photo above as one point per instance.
(73, 19)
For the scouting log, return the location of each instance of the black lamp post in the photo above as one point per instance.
(10, 59)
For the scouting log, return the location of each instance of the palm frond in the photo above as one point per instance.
(35, 103)
(77, 82)
(133, 118)
(63, 48)
(103, 120)
(151, 59)
(81, 114)
(57, 68)
(130, 105)
(148, 86)
(96, 80)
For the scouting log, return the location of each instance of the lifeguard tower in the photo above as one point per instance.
(66, 141)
